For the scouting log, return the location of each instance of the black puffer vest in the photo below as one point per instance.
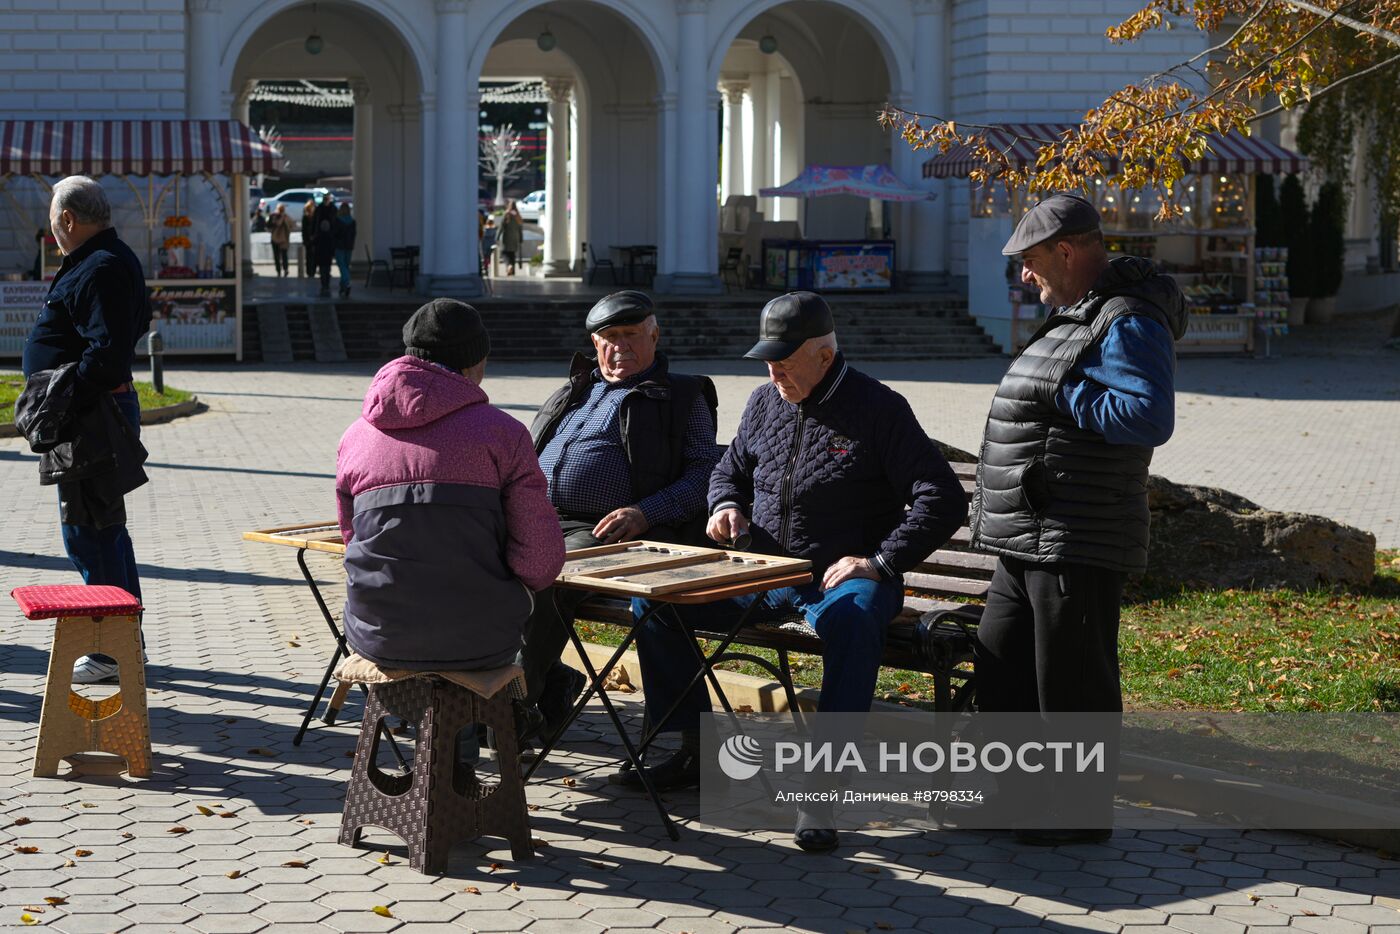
(1047, 490)
(652, 422)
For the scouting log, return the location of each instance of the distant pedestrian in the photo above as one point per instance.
(344, 246)
(308, 237)
(323, 248)
(279, 226)
(512, 231)
(259, 220)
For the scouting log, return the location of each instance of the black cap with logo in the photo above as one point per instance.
(787, 322)
(1058, 215)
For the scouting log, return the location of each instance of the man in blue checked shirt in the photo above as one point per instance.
(627, 448)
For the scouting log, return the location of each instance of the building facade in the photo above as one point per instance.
(657, 109)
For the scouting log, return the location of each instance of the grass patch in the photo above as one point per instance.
(12, 384)
(1335, 649)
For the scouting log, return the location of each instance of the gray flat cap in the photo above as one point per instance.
(1058, 215)
(626, 307)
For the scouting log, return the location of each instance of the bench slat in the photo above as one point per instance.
(966, 560)
(947, 584)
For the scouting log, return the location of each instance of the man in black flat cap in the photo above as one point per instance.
(627, 448)
(1062, 481)
(825, 463)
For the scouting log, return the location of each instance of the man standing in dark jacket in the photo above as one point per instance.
(325, 220)
(825, 461)
(96, 308)
(627, 447)
(1062, 477)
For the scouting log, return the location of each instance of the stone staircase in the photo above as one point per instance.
(917, 328)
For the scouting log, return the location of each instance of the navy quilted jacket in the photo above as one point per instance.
(831, 476)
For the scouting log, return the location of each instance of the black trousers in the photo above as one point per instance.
(1048, 640)
(545, 635)
(1048, 643)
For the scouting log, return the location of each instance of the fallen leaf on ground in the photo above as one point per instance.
(68, 864)
(295, 645)
(1310, 914)
(884, 925)
(28, 919)
(534, 807)
(873, 870)
(350, 754)
(230, 719)
(128, 836)
(382, 911)
(207, 812)
(597, 865)
(294, 864)
(20, 822)
(229, 814)
(261, 751)
(1190, 848)
(1254, 898)
(234, 874)
(538, 842)
(494, 866)
(472, 890)
(384, 860)
(88, 805)
(82, 852)
(34, 908)
(306, 820)
(570, 782)
(56, 899)
(26, 849)
(515, 886)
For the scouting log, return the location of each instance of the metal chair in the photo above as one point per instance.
(595, 264)
(403, 261)
(371, 264)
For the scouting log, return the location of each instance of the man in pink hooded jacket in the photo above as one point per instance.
(447, 527)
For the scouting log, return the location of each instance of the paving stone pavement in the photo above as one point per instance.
(235, 646)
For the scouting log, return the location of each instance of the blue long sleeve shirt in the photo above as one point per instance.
(1125, 387)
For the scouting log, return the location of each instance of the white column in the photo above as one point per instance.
(759, 145)
(696, 258)
(733, 147)
(557, 260)
(362, 168)
(455, 271)
(245, 225)
(202, 100)
(923, 245)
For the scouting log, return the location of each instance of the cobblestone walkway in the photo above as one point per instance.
(235, 645)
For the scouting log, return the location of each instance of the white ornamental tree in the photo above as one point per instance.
(501, 157)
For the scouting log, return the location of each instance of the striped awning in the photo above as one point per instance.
(132, 147)
(1226, 152)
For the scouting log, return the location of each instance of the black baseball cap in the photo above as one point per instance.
(1059, 215)
(789, 321)
(626, 307)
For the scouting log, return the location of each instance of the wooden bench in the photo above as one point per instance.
(933, 633)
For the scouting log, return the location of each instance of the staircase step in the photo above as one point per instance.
(274, 337)
(327, 345)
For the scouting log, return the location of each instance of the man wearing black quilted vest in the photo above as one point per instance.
(1062, 476)
(825, 463)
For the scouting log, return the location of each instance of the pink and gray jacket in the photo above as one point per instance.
(447, 525)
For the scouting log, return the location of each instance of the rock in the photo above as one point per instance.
(1203, 536)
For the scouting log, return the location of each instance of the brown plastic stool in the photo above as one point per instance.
(91, 620)
(436, 805)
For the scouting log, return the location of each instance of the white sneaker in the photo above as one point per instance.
(92, 670)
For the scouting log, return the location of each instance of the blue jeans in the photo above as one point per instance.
(105, 556)
(851, 619)
(342, 260)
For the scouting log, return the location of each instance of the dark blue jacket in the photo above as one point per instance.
(96, 309)
(832, 475)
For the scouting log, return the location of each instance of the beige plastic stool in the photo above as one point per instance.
(91, 620)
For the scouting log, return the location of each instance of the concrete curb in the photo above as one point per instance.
(1166, 784)
(161, 413)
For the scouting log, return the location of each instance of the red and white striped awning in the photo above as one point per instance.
(132, 147)
(1226, 152)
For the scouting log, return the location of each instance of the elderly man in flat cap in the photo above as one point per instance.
(627, 447)
(1062, 482)
(825, 463)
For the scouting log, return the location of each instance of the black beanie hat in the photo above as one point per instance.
(449, 332)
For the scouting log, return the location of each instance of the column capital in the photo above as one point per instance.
(560, 89)
(924, 7)
(734, 87)
(249, 86)
(692, 6)
(359, 90)
(206, 6)
(451, 6)
(664, 102)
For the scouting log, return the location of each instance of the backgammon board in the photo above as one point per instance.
(644, 568)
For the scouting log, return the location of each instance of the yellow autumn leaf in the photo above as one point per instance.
(56, 899)
(28, 919)
(82, 852)
(207, 812)
(382, 911)
(384, 860)
(234, 873)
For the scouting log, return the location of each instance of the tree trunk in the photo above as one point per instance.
(500, 189)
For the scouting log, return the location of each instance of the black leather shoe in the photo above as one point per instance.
(816, 830)
(563, 684)
(1056, 837)
(682, 770)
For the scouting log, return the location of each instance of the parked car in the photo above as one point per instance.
(531, 206)
(295, 199)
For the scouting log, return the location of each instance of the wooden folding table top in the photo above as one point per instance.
(678, 573)
(322, 536)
